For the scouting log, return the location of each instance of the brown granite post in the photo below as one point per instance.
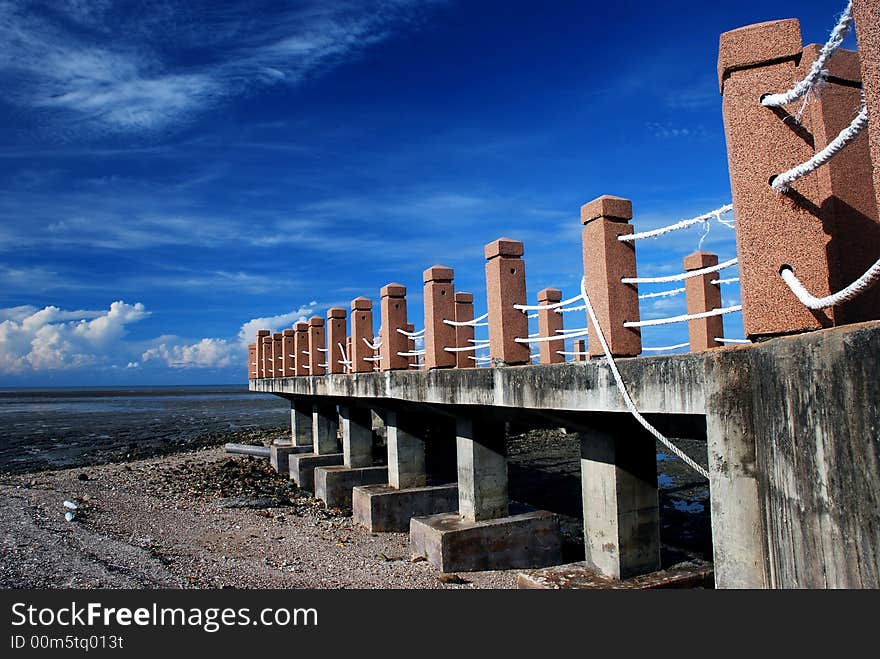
(252, 361)
(261, 357)
(361, 328)
(411, 345)
(301, 347)
(607, 260)
(464, 312)
(268, 370)
(867, 15)
(277, 356)
(393, 306)
(702, 295)
(288, 347)
(316, 341)
(335, 336)
(825, 227)
(439, 306)
(549, 321)
(580, 347)
(506, 286)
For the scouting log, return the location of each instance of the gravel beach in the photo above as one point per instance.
(199, 518)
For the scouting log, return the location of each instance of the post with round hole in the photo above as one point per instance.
(505, 287)
(439, 306)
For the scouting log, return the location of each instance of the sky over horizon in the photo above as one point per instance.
(175, 176)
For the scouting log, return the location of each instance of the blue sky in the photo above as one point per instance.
(174, 175)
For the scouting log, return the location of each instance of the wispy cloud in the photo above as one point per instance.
(103, 65)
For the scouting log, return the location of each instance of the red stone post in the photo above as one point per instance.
(549, 321)
(580, 347)
(867, 15)
(607, 261)
(505, 287)
(335, 336)
(252, 361)
(268, 370)
(316, 341)
(261, 357)
(288, 348)
(361, 329)
(464, 312)
(439, 302)
(301, 347)
(702, 295)
(393, 307)
(348, 367)
(825, 227)
(411, 345)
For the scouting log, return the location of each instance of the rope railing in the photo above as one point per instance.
(682, 224)
(411, 335)
(721, 340)
(561, 337)
(669, 293)
(677, 346)
(580, 307)
(818, 73)
(728, 280)
(680, 276)
(372, 346)
(411, 353)
(475, 322)
(782, 182)
(482, 346)
(859, 286)
(682, 318)
(546, 307)
(627, 399)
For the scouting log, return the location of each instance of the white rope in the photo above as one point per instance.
(371, 359)
(621, 387)
(720, 340)
(678, 277)
(575, 353)
(673, 291)
(479, 359)
(534, 355)
(467, 348)
(305, 352)
(683, 224)
(539, 307)
(411, 335)
(322, 349)
(372, 346)
(683, 317)
(345, 360)
(859, 286)
(580, 307)
(783, 181)
(729, 280)
(474, 322)
(817, 73)
(561, 337)
(323, 365)
(306, 366)
(666, 348)
(571, 330)
(478, 340)
(414, 353)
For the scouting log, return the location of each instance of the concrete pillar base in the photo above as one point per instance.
(693, 574)
(386, 508)
(302, 467)
(279, 455)
(453, 544)
(333, 485)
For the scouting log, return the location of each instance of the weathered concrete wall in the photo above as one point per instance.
(794, 453)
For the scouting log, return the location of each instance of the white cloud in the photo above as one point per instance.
(207, 353)
(54, 339)
(147, 67)
(248, 330)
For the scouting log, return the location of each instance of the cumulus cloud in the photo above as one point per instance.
(54, 339)
(274, 323)
(207, 353)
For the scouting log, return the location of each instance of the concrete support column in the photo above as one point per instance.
(406, 450)
(252, 361)
(607, 260)
(268, 369)
(439, 306)
(301, 422)
(482, 468)
(335, 337)
(288, 356)
(464, 312)
(824, 228)
(325, 425)
(580, 347)
(301, 347)
(621, 509)
(702, 295)
(261, 358)
(357, 436)
(317, 344)
(393, 306)
(361, 334)
(506, 286)
(549, 321)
